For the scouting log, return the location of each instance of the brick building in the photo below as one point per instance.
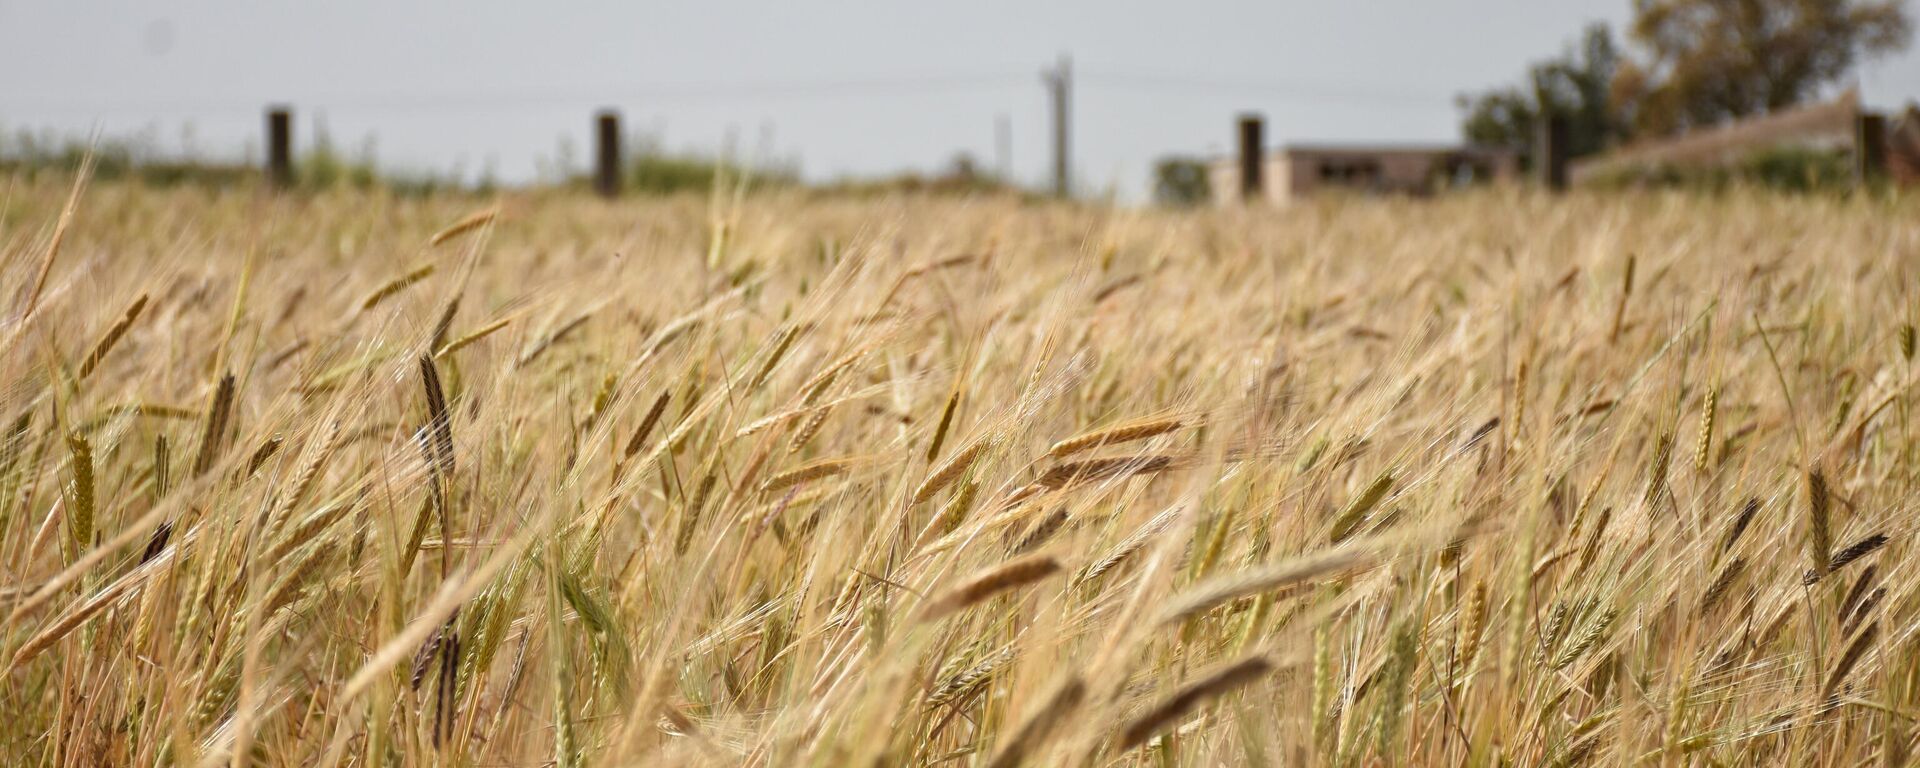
(1300, 171)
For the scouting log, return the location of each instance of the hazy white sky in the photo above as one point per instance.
(847, 87)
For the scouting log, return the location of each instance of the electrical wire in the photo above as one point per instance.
(695, 93)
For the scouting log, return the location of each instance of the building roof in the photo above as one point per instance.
(1323, 149)
(1338, 148)
(1829, 121)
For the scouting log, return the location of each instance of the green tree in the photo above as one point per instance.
(1708, 61)
(1180, 181)
(1690, 63)
(1576, 85)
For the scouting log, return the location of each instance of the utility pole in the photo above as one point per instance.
(1060, 86)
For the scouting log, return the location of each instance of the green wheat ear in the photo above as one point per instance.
(80, 495)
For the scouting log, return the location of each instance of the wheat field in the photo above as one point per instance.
(776, 480)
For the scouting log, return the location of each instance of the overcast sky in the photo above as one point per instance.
(848, 88)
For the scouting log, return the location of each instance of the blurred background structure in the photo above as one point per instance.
(1121, 100)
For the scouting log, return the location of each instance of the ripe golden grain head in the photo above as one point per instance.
(1004, 577)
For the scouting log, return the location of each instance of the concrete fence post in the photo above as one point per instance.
(1550, 153)
(1869, 147)
(280, 147)
(606, 177)
(1252, 158)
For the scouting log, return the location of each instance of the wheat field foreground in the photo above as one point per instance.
(767, 480)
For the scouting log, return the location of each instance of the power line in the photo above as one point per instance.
(1299, 91)
(1287, 90)
(652, 93)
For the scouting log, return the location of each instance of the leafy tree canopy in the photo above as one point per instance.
(1689, 63)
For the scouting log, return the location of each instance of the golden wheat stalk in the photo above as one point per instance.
(1206, 688)
(72, 619)
(467, 340)
(395, 286)
(289, 585)
(1721, 583)
(1320, 710)
(1856, 650)
(783, 341)
(1004, 577)
(263, 454)
(1593, 491)
(439, 418)
(1522, 384)
(112, 337)
(1855, 551)
(1703, 443)
(312, 527)
(1620, 310)
(946, 422)
(472, 222)
(1033, 732)
(444, 325)
(1077, 473)
(1868, 576)
(772, 420)
(809, 428)
(309, 474)
(553, 339)
(1739, 525)
(811, 471)
(214, 434)
(1349, 519)
(1473, 622)
(816, 387)
(1221, 590)
(1129, 546)
(1591, 636)
(956, 685)
(948, 472)
(1819, 525)
(1126, 432)
(80, 496)
(60, 228)
(647, 423)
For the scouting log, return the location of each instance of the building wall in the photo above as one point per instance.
(1314, 171)
(1296, 173)
(1223, 180)
(1280, 190)
(1903, 147)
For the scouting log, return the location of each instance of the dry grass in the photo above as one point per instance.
(1492, 480)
